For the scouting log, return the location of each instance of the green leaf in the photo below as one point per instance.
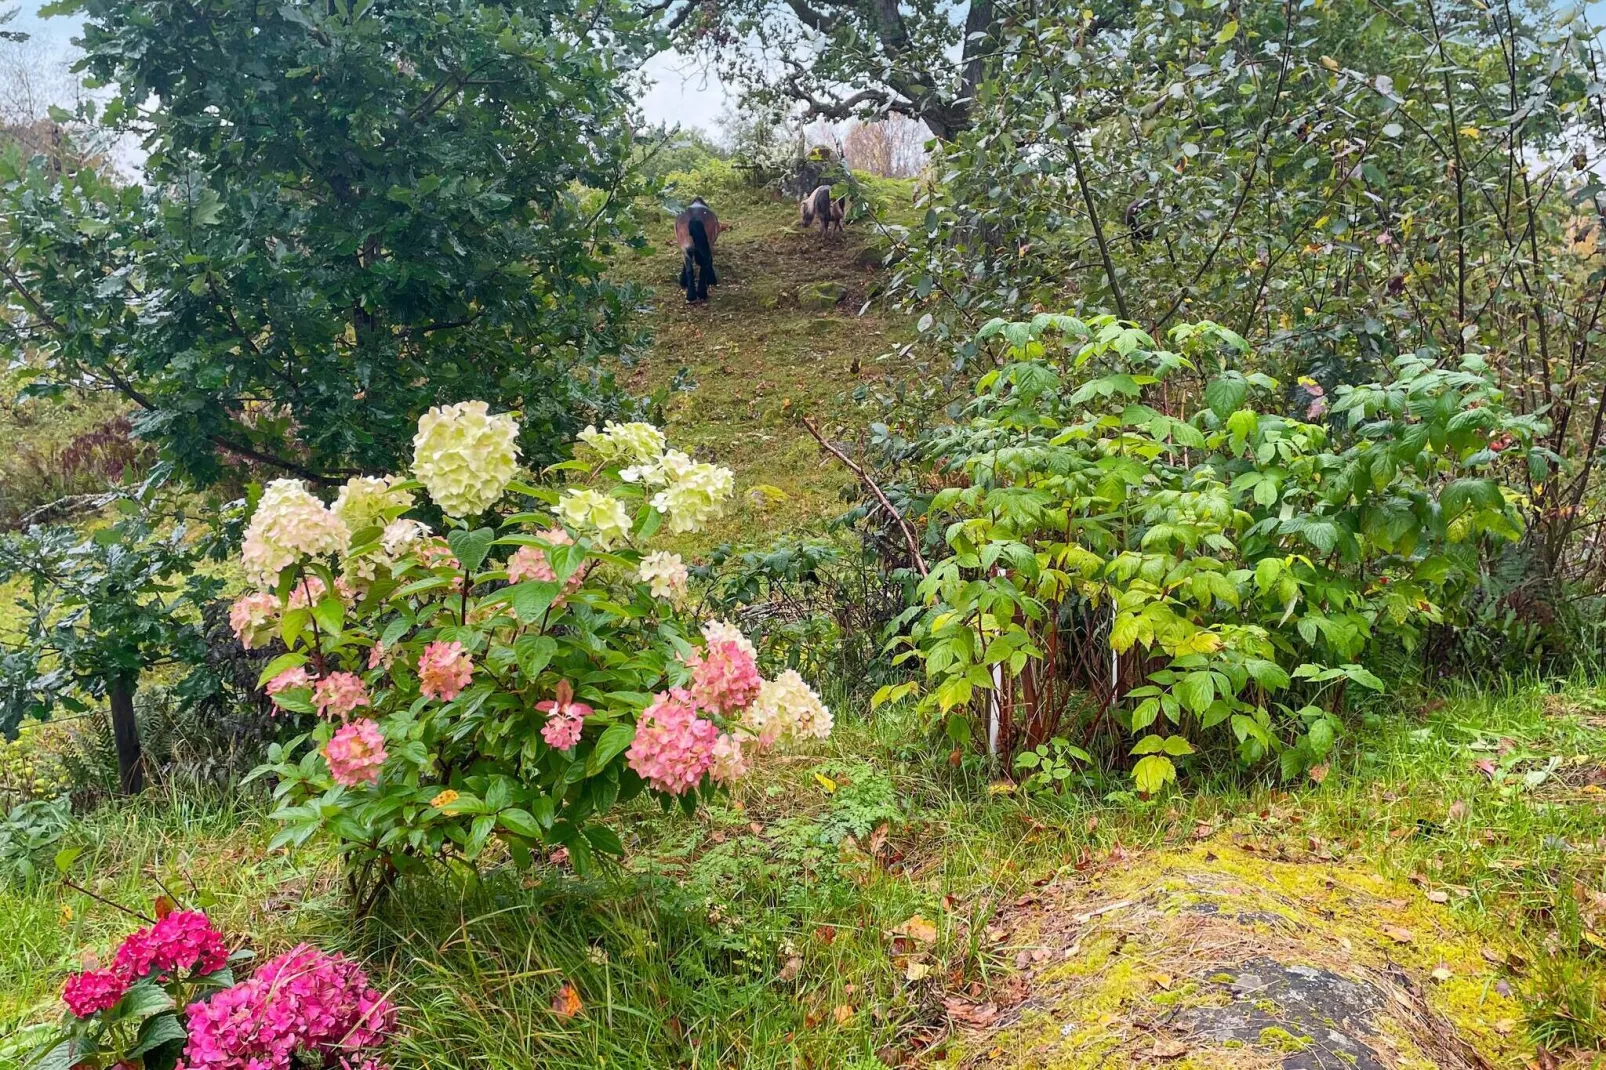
(520, 822)
(533, 653)
(1363, 677)
(1267, 674)
(330, 614)
(471, 546)
(142, 1001)
(279, 665)
(1196, 691)
(162, 1029)
(1153, 773)
(532, 599)
(613, 741)
(605, 840)
(66, 857)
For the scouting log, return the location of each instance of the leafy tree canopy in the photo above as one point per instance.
(350, 212)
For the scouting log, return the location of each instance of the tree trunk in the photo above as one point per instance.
(130, 763)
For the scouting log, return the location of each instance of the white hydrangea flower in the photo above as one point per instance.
(666, 573)
(464, 456)
(718, 631)
(788, 709)
(639, 442)
(402, 536)
(289, 524)
(363, 501)
(601, 516)
(694, 492)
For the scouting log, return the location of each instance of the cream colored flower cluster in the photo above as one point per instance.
(637, 442)
(590, 512)
(788, 709)
(364, 501)
(665, 573)
(464, 456)
(692, 492)
(289, 524)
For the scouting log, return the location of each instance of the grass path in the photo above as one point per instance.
(758, 359)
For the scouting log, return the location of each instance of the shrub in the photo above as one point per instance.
(1193, 570)
(100, 609)
(169, 998)
(516, 677)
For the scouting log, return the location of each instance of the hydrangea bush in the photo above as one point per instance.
(510, 677)
(169, 1001)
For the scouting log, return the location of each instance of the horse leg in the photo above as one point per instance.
(687, 279)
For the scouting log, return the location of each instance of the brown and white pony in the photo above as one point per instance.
(696, 231)
(819, 205)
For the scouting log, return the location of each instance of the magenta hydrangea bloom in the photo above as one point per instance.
(444, 669)
(339, 694)
(304, 1001)
(673, 747)
(183, 942)
(565, 717)
(355, 753)
(724, 677)
(93, 991)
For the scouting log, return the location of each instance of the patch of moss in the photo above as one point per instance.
(1281, 1039)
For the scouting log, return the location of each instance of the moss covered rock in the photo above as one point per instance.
(819, 296)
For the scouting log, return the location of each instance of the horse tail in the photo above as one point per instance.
(702, 250)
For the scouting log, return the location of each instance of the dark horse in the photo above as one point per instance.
(696, 231)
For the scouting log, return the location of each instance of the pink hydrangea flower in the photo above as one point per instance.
(531, 563)
(93, 991)
(252, 619)
(183, 942)
(340, 693)
(355, 753)
(378, 655)
(307, 593)
(305, 1002)
(729, 764)
(724, 677)
(444, 669)
(565, 717)
(289, 680)
(673, 747)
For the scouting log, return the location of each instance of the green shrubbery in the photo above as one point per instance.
(1153, 542)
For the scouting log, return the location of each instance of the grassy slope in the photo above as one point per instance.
(765, 933)
(758, 360)
(761, 934)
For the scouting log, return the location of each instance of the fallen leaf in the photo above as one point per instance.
(1318, 773)
(1438, 895)
(842, 1014)
(917, 971)
(1397, 934)
(566, 1001)
(918, 928)
(1441, 973)
(1505, 1026)
(825, 782)
(1458, 810)
(1169, 1048)
(790, 971)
